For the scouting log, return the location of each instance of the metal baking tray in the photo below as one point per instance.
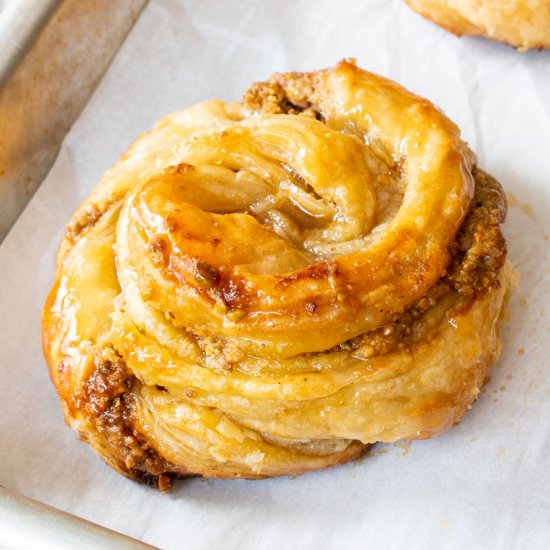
(53, 54)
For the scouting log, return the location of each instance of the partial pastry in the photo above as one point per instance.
(523, 24)
(269, 287)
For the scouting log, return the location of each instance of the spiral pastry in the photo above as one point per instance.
(269, 287)
(523, 24)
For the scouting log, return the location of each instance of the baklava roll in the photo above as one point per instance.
(270, 286)
(524, 24)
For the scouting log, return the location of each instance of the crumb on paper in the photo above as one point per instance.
(404, 446)
(380, 450)
(525, 207)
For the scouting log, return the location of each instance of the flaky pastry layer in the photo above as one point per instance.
(269, 287)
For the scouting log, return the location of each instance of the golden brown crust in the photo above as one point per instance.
(524, 24)
(269, 287)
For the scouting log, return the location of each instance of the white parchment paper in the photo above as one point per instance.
(484, 484)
